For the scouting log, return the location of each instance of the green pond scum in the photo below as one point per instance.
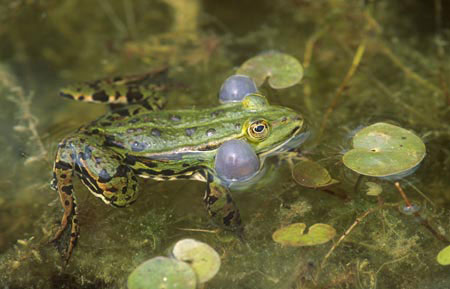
(364, 62)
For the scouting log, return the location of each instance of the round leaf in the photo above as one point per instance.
(312, 175)
(162, 273)
(203, 259)
(443, 257)
(292, 235)
(282, 70)
(383, 149)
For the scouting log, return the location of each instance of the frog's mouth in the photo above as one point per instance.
(298, 137)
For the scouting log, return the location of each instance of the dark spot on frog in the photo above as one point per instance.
(110, 141)
(185, 165)
(117, 78)
(117, 95)
(227, 219)
(121, 171)
(190, 131)
(112, 190)
(123, 112)
(100, 96)
(63, 176)
(168, 172)
(183, 177)
(67, 189)
(203, 174)
(156, 132)
(131, 160)
(104, 176)
(150, 164)
(133, 95)
(62, 165)
(211, 200)
(95, 131)
(106, 123)
(401, 146)
(113, 199)
(138, 146)
(136, 111)
(124, 190)
(81, 98)
(403, 137)
(66, 203)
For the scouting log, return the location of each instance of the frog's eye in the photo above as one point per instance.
(258, 130)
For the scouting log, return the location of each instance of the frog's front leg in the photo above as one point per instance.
(100, 169)
(220, 205)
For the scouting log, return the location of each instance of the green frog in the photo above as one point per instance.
(142, 140)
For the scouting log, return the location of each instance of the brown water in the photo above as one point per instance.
(403, 77)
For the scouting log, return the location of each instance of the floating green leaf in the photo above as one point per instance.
(312, 175)
(292, 235)
(384, 149)
(203, 259)
(373, 189)
(443, 257)
(162, 273)
(282, 69)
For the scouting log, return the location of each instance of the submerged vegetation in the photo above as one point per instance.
(363, 64)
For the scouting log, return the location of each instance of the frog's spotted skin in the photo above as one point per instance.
(123, 90)
(142, 141)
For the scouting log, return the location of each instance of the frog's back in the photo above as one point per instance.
(171, 131)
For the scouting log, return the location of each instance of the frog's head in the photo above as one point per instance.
(271, 129)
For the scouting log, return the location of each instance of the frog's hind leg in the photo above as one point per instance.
(220, 205)
(144, 89)
(100, 170)
(104, 173)
(63, 171)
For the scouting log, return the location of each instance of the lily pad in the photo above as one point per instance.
(162, 273)
(383, 149)
(203, 259)
(443, 257)
(282, 69)
(312, 175)
(292, 235)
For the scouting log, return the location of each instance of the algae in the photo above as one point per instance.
(364, 62)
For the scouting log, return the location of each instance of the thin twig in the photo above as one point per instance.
(402, 193)
(343, 86)
(344, 235)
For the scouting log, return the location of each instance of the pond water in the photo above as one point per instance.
(365, 62)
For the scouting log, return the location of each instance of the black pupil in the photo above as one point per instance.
(259, 128)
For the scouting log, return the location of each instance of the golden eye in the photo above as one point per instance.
(258, 130)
